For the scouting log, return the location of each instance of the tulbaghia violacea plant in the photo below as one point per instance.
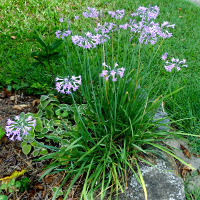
(112, 72)
(147, 14)
(19, 127)
(89, 40)
(105, 28)
(149, 31)
(68, 85)
(174, 63)
(62, 34)
(91, 13)
(118, 14)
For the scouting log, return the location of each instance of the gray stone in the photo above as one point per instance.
(161, 184)
(197, 2)
(175, 144)
(163, 120)
(193, 183)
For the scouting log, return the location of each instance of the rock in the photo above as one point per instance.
(176, 145)
(197, 2)
(161, 184)
(163, 121)
(193, 183)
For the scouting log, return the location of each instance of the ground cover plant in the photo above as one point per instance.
(109, 81)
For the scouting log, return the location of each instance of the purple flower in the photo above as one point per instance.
(61, 20)
(62, 34)
(166, 24)
(123, 26)
(118, 14)
(76, 17)
(9, 122)
(148, 30)
(17, 117)
(104, 73)
(169, 67)
(58, 33)
(121, 71)
(112, 72)
(91, 13)
(147, 13)
(90, 40)
(174, 63)
(164, 56)
(19, 127)
(112, 13)
(67, 85)
(105, 28)
(66, 34)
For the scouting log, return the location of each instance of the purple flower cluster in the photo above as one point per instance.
(90, 40)
(19, 127)
(105, 28)
(174, 63)
(109, 72)
(124, 26)
(149, 30)
(63, 34)
(147, 14)
(91, 13)
(118, 14)
(67, 85)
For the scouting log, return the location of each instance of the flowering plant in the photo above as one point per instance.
(19, 127)
(174, 63)
(148, 30)
(109, 122)
(65, 85)
(108, 72)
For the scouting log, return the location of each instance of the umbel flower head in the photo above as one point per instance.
(62, 34)
(174, 63)
(114, 73)
(89, 40)
(149, 30)
(91, 13)
(118, 14)
(67, 85)
(19, 127)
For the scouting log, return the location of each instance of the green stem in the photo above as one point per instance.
(138, 67)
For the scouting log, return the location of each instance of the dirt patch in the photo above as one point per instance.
(14, 104)
(11, 157)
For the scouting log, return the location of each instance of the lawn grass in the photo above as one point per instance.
(22, 20)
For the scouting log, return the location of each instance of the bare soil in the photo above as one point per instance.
(12, 159)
